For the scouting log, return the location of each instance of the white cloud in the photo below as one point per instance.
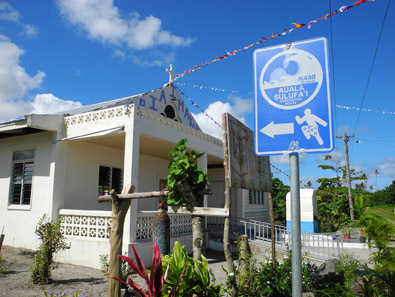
(102, 21)
(118, 53)
(30, 31)
(15, 85)
(14, 81)
(215, 111)
(337, 157)
(48, 103)
(284, 158)
(154, 58)
(387, 168)
(280, 159)
(9, 13)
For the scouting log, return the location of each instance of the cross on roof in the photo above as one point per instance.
(172, 75)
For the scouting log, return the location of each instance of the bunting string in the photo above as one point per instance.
(213, 89)
(264, 39)
(197, 106)
(251, 93)
(366, 109)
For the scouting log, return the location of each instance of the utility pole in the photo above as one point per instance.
(350, 198)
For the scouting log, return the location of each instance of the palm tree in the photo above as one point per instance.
(376, 172)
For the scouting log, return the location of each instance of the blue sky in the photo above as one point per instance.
(58, 55)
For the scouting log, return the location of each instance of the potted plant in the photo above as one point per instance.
(362, 224)
(346, 231)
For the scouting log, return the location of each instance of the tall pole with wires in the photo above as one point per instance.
(350, 198)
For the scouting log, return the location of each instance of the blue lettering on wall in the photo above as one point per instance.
(172, 96)
(142, 102)
(180, 103)
(162, 96)
(186, 114)
(153, 103)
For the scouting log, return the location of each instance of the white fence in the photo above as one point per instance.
(313, 244)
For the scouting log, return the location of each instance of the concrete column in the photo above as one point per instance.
(58, 172)
(131, 173)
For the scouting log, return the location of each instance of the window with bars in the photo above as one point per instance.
(256, 197)
(109, 178)
(22, 177)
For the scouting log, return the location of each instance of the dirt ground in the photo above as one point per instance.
(16, 281)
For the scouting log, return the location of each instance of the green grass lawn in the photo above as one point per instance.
(383, 212)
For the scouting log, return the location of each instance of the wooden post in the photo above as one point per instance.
(198, 221)
(244, 252)
(119, 209)
(272, 231)
(227, 251)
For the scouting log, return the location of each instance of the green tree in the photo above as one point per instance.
(332, 201)
(385, 196)
(279, 200)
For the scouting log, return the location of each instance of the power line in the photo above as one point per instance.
(371, 68)
(333, 67)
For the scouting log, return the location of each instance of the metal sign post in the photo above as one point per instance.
(295, 225)
(293, 115)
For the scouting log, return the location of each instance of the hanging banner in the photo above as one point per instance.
(247, 170)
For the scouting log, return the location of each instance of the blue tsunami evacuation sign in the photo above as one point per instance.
(292, 98)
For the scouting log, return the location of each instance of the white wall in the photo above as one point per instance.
(20, 221)
(82, 178)
(151, 170)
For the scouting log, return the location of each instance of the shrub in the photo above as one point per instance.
(197, 279)
(52, 241)
(264, 279)
(348, 266)
(105, 266)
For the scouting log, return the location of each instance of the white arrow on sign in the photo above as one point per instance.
(272, 129)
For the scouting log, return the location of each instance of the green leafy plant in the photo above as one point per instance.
(378, 283)
(105, 266)
(346, 229)
(379, 233)
(155, 280)
(183, 167)
(197, 279)
(337, 291)
(52, 241)
(348, 266)
(264, 279)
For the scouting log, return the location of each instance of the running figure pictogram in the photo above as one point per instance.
(312, 127)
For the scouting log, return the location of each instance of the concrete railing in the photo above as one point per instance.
(85, 224)
(90, 224)
(179, 225)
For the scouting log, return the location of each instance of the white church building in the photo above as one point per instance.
(59, 164)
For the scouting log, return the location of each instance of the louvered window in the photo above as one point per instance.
(22, 177)
(109, 178)
(256, 197)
